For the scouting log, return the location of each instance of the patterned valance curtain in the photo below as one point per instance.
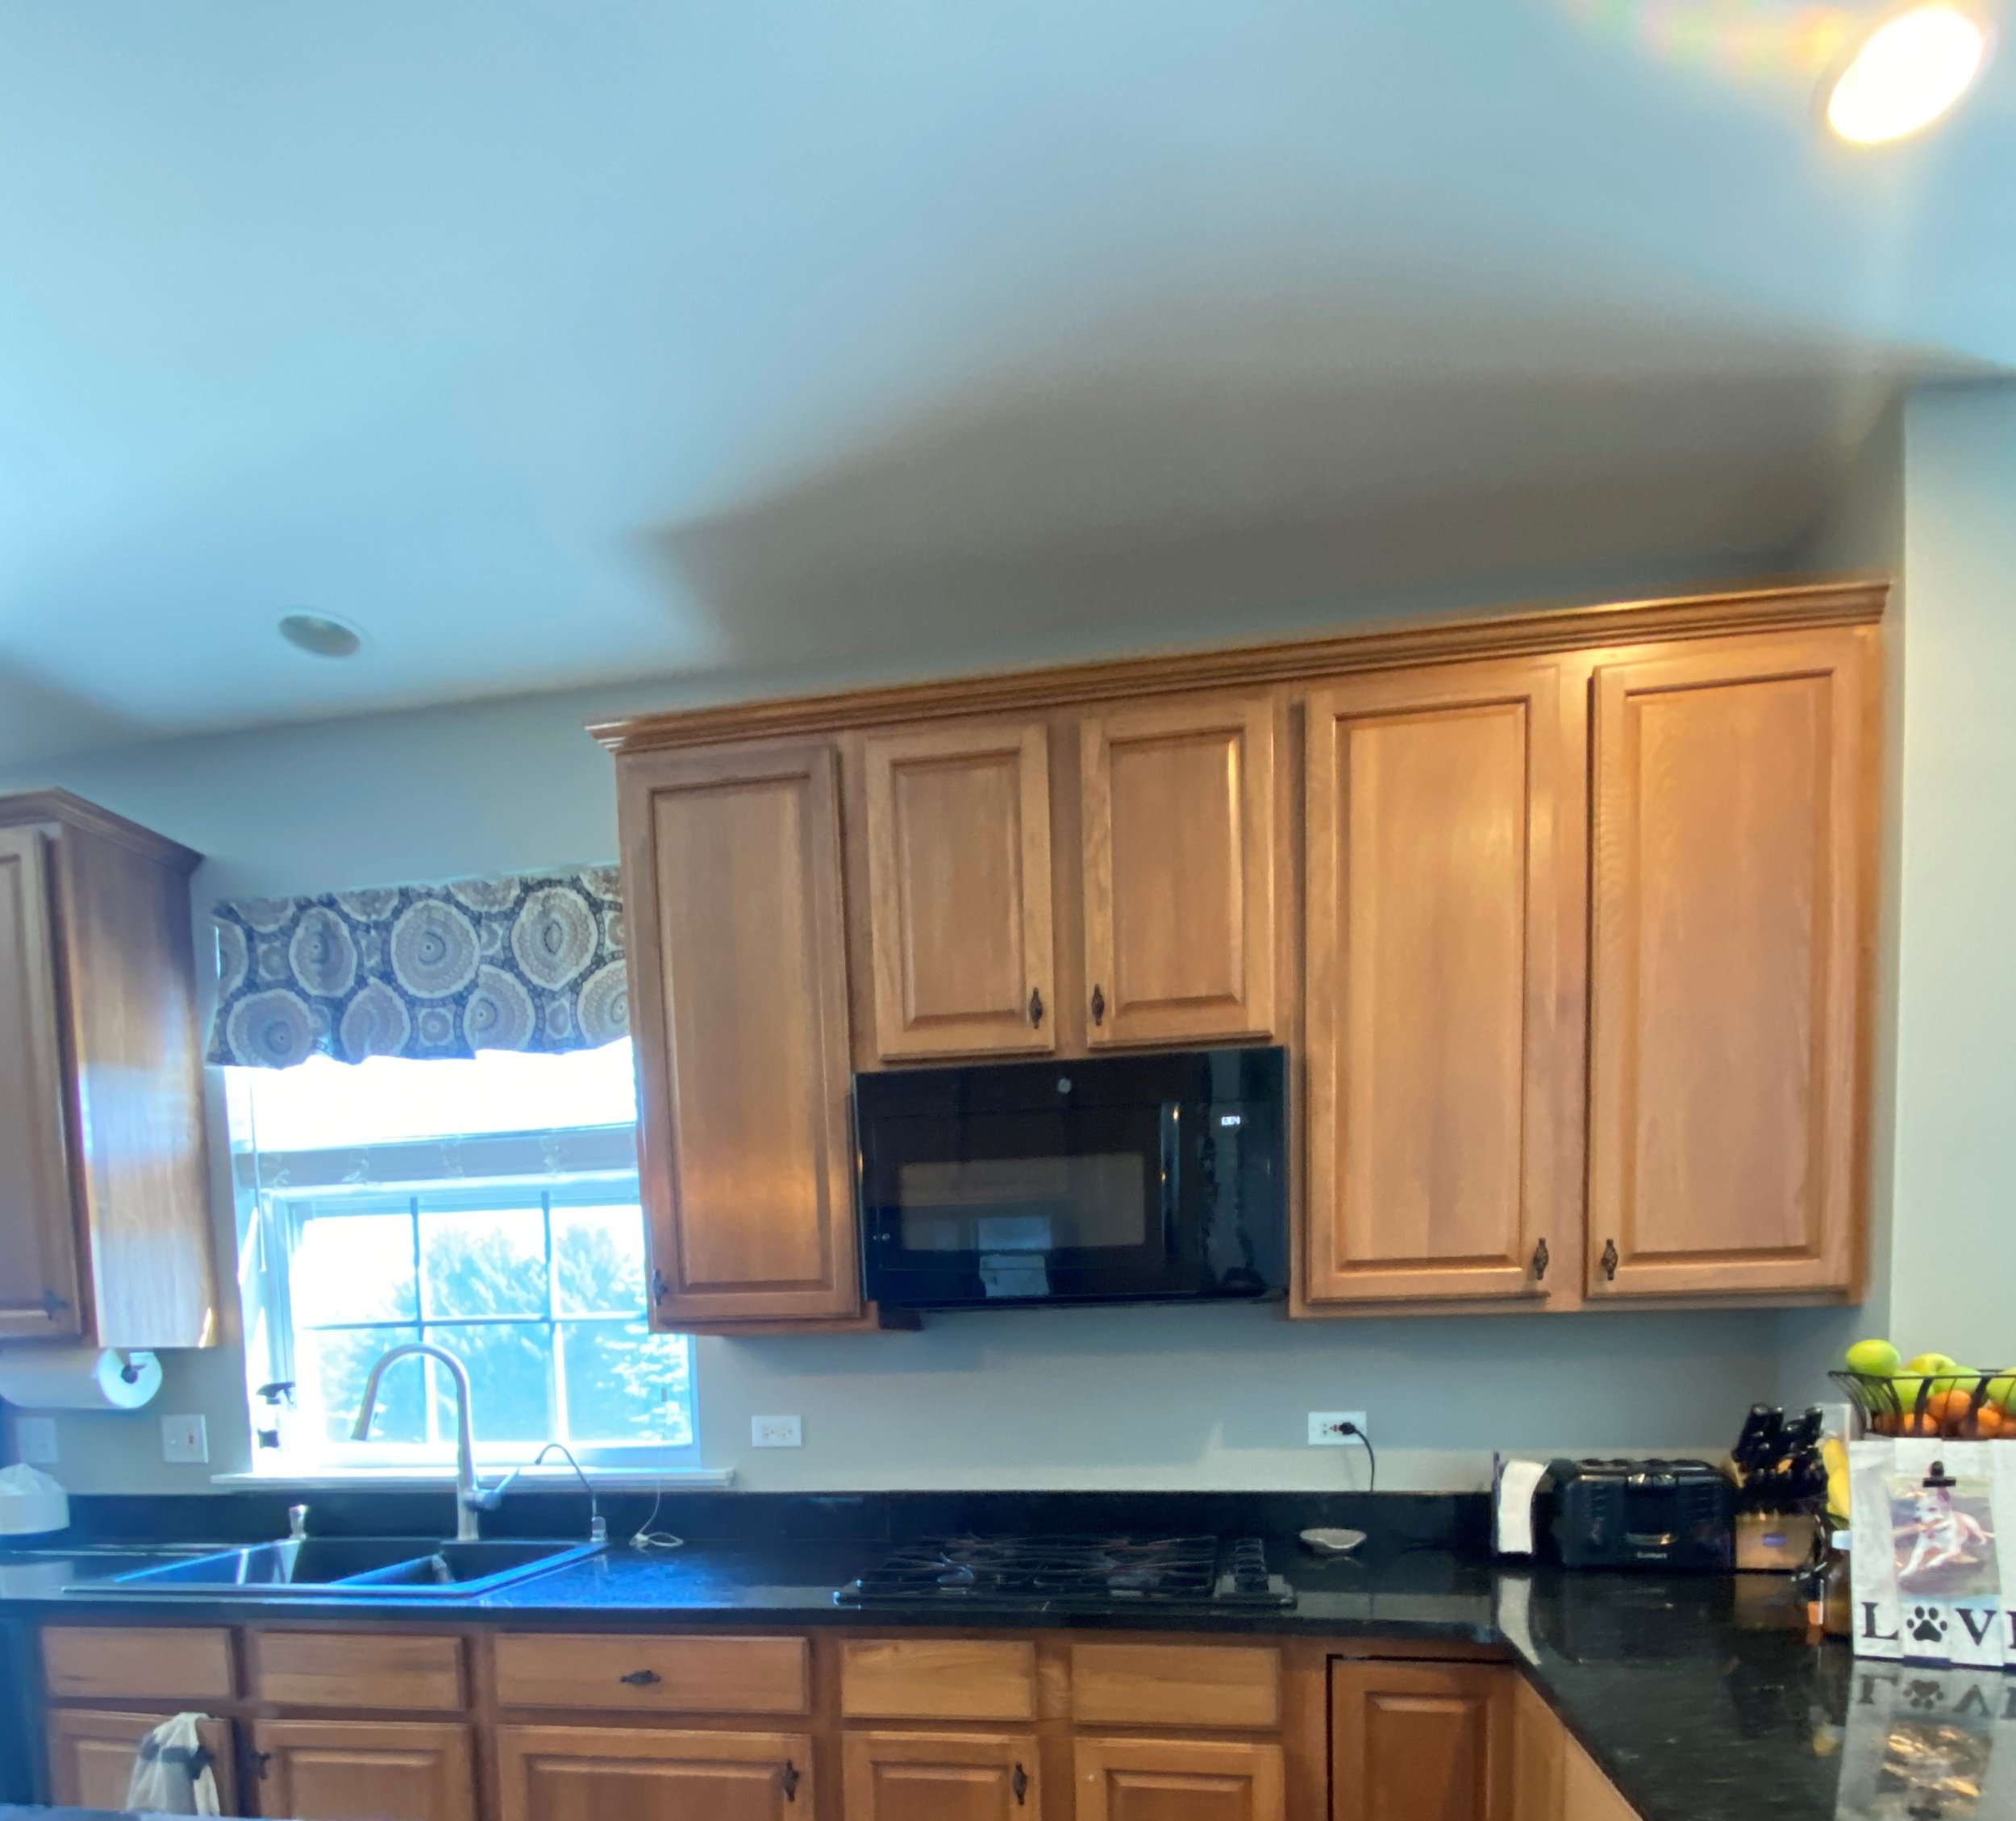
(530, 961)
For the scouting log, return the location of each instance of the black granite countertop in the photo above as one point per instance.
(1699, 1695)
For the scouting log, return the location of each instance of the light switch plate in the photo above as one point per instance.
(34, 1441)
(184, 1439)
(776, 1431)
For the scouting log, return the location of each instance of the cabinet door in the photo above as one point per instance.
(731, 870)
(1733, 826)
(1179, 838)
(358, 1770)
(1179, 1780)
(1540, 1746)
(39, 1281)
(1438, 1058)
(1420, 1742)
(588, 1774)
(1587, 1794)
(943, 1777)
(959, 889)
(92, 1756)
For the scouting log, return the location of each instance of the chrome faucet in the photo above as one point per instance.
(597, 1524)
(470, 1497)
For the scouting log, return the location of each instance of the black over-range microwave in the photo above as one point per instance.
(1108, 1179)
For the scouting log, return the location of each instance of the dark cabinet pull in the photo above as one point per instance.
(1098, 1005)
(262, 1764)
(52, 1305)
(1542, 1258)
(1035, 1005)
(1611, 1259)
(641, 1678)
(658, 1289)
(1019, 1783)
(791, 1780)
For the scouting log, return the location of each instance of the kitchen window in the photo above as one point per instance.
(488, 1206)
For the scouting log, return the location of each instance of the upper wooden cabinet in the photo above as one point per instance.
(959, 908)
(1439, 1061)
(1421, 1742)
(105, 1231)
(1733, 838)
(731, 872)
(1179, 837)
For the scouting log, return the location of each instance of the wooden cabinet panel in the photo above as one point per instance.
(697, 1675)
(937, 1679)
(585, 1773)
(1420, 1742)
(138, 1663)
(1440, 1068)
(943, 1777)
(1179, 1780)
(1587, 1794)
(40, 1286)
(1179, 839)
(732, 871)
(1176, 1684)
(959, 889)
(1538, 1747)
(92, 1756)
(1733, 820)
(358, 1770)
(119, 1243)
(369, 1670)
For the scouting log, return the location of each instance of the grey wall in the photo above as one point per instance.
(1149, 1397)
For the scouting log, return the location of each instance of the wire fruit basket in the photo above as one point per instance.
(1966, 1407)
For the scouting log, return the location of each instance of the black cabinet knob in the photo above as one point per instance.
(1542, 1258)
(1098, 1005)
(1035, 1005)
(1611, 1259)
(642, 1678)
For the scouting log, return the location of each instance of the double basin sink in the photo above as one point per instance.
(373, 1568)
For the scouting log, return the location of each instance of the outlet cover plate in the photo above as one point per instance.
(185, 1440)
(1325, 1429)
(34, 1440)
(776, 1431)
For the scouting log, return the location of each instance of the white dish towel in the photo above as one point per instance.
(172, 1775)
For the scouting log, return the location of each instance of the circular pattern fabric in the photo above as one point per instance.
(555, 936)
(274, 1030)
(434, 949)
(527, 961)
(499, 1013)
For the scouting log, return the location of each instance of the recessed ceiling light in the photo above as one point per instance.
(1907, 72)
(321, 636)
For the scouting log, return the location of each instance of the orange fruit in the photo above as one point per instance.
(1990, 1423)
(1950, 1409)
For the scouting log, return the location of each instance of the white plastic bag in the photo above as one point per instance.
(173, 1776)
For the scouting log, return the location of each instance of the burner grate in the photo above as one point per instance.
(1073, 1571)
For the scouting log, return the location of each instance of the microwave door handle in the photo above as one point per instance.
(1172, 1169)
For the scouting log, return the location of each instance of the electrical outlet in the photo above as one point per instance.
(34, 1440)
(1327, 1427)
(184, 1439)
(776, 1431)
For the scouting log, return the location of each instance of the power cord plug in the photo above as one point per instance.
(1353, 1432)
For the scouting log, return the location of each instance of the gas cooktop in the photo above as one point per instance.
(1073, 1573)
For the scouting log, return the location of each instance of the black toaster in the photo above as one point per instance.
(1672, 1515)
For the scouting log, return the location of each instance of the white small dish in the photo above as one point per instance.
(1332, 1541)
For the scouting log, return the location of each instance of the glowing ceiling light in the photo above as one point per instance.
(1907, 72)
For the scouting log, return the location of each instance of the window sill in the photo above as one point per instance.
(312, 1477)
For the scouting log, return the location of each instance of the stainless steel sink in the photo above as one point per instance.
(399, 1567)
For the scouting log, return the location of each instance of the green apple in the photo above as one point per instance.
(2002, 1393)
(1873, 1359)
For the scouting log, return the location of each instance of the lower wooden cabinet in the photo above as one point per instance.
(943, 1777)
(1421, 1742)
(363, 1770)
(594, 1773)
(1179, 1780)
(92, 1754)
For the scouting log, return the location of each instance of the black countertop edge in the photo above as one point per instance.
(1696, 1695)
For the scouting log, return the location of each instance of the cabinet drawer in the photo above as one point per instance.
(655, 1675)
(372, 1671)
(937, 1679)
(156, 1663)
(1175, 1685)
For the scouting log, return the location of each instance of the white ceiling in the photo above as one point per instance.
(553, 340)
